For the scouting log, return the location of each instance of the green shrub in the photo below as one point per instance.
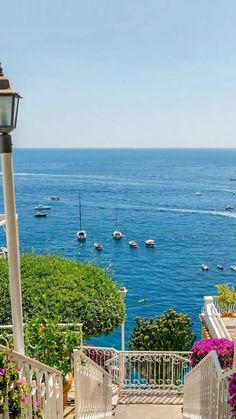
(76, 292)
(169, 332)
(226, 297)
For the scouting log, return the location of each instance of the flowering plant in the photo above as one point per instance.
(13, 389)
(223, 347)
(232, 393)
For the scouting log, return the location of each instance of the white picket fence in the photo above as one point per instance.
(206, 390)
(44, 388)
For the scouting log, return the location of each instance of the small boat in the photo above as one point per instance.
(42, 207)
(204, 267)
(229, 208)
(40, 214)
(233, 179)
(133, 244)
(199, 193)
(234, 193)
(98, 246)
(142, 300)
(54, 198)
(233, 267)
(150, 243)
(117, 234)
(221, 267)
(81, 234)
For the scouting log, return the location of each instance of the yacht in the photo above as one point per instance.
(199, 193)
(42, 207)
(54, 198)
(40, 214)
(150, 243)
(133, 244)
(204, 267)
(221, 267)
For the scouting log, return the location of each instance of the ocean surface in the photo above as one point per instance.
(155, 192)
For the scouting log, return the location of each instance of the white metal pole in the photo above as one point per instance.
(13, 251)
(123, 336)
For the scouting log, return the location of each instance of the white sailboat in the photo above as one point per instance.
(81, 234)
(117, 234)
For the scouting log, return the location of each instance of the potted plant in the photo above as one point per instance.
(52, 345)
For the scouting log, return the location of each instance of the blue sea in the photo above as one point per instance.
(155, 192)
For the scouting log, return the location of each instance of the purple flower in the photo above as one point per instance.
(2, 371)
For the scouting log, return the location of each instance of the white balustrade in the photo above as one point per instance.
(142, 372)
(206, 390)
(44, 388)
(213, 320)
(93, 388)
(99, 354)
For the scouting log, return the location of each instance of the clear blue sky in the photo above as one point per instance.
(127, 73)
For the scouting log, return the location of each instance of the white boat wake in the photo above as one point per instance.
(194, 211)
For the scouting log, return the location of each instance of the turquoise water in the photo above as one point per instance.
(155, 190)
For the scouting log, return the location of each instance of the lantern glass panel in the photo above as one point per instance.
(16, 104)
(5, 111)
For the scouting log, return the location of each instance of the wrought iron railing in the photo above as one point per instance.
(43, 392)
(93, 388)
(206, 390)
(162, 372)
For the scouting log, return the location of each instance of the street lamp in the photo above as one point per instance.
(9, 102)
(123, 292)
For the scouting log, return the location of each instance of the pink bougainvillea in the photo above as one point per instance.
(223, 347)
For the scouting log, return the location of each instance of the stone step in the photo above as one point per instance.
(148, 411)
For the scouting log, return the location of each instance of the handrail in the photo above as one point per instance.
(213, 320)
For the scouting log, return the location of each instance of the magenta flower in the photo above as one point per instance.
(2, 371)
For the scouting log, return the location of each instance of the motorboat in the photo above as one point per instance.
(221, 267)
(54, 198)
(233, 267)
(142, 300)
(205, 267)
(117, 234)
(40, 214)
(98, 246)
(133, 244)
(234, 193)
(42, 207)
(199, 193)
(229, 208)
(81, 234)
(150, 243)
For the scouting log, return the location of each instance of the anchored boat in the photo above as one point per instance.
(117, 234)
(81, 234)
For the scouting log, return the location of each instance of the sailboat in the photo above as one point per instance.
(81, 234)
(117, 234)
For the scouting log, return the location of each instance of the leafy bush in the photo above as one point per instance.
(77, 292)
(223, 347)
(171, 331)
(226, 297)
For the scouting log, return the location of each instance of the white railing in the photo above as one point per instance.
(93, 389)
(44, 391)
(213, 320)
(100, 354)
(206, 391)
(142, 372)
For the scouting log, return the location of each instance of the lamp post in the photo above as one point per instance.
(123, 292)
(9, 101)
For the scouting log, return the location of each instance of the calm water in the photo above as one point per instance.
(155, 192)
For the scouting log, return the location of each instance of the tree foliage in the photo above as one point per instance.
(77, 292)
(171, 331)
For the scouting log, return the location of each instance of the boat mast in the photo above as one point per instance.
(80, 214)
(116, 214)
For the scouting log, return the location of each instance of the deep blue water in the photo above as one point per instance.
(155, 190)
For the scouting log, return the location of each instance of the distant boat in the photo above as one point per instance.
(221, 267)
(199, 193)
(81, 234)
(117, 234)
(133, 244)
(233, 267)
(233, 179)
(98, 246)
(42, 207)
(204, 267)
(150, 243)
(40, 214)
(229, 208)
(234, 193)
(3, 252)
(54, 198)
